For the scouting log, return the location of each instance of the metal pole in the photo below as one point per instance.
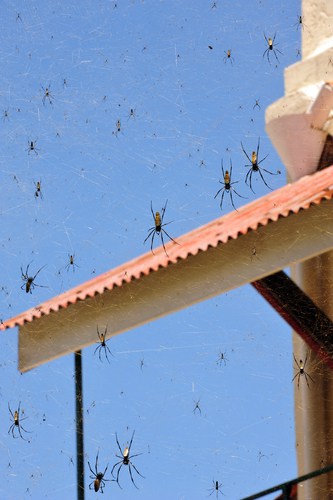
(79, 425)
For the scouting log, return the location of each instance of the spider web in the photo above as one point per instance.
(181, 109)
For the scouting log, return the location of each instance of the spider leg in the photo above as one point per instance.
(106, 352)
(120, 466)
(151, 209)
(136, 470)
(19, 430)
(119, 450)
(245, 198)
(152, 242)
(306, 378)
(258, 163)
(216, 193)
(130, 444)
(247, 156)
(232, 201)
(130, 471)
(38, 273)
(152, 229)
(258, 147)
(168, 235)
(99, 352)
(163, 212)
(274, 52)
(271, 173)
(90, 468)
(264, 180)
(221, 202)
(163, 230)
(279, 51)
(249, 178)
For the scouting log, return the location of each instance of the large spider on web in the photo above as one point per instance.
(126, 459)
(158, 228)
(255, 166)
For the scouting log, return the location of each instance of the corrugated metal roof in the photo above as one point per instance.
(288, 200)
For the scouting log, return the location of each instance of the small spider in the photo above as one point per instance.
(98, 481)
(5, 114)
(71, 262)
(126, 460)
(158, 228)
(227, 186)
(228, 56)
(300, 23)
(271, 47)
(197, 406)
(17, 419)
(32, 147)
(131, 113)
(222, 359)
(216, 487)
(257, 104)
(38, 192)
(301, 371)
(30, 284)
(102, 344)
(255, 166)
(118, 126)
(47, 95)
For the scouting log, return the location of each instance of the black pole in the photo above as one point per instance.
(79, 425)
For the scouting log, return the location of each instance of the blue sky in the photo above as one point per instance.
(100, 60)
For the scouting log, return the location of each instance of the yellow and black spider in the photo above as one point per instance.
(271, 48)
(38, 192)
(301, 371)
(255, 166)
(228, 56)
(102, 344)
(17, 419)
(227, 186)
(125, 459)
(158, 228)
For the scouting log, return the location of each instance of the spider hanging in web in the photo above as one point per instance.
(38, 192)
(98, 481)
(32, 147)
(102, 344)
(216, 488)
(222, 358)
(17, 419)
(158, 228)
(271, 48)
(30, 284)
(126, 459)
(255, 166)
(301, 371)
(228, 57)
(47, 95)
(71, 262)
(227, 186)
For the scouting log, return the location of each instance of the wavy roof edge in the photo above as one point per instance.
(290, 199)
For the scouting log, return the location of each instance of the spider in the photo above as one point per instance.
(255, 166)
(17, 419)
(102, 344)
(38, 192)
(98, 481)
(271, 47)
(228, 56)
(300, 23)
(197, 407)
(30, 284)
(222, 359)
(216, 487)
(257, 105)
(126, 460)
(301, 371)
(32, 147)
(71, 262)
(47, 95)
(131, 113)
(227, 185)
(158, 228)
